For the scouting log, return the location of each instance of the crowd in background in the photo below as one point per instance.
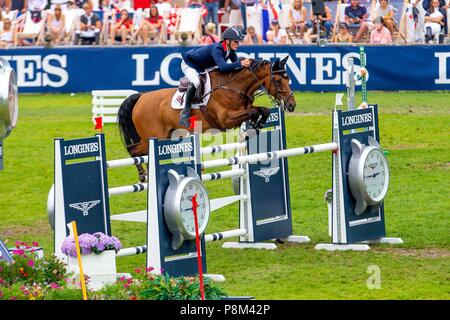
(127, 22)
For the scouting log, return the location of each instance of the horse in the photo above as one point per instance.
(149, 115)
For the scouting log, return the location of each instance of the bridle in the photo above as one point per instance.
(275, 100)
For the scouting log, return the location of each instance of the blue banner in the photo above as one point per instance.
(312, 68)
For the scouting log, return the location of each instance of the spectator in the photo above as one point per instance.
(5, 5)
(122, 29)
(56, 25)
(141, 4)
(150, 26)
(343, 36)
(297, 17)
(239, 5)
(434, 20)
(210, 37)
(233, 7)
(61, 3)
(90, 26)
(20, 5)
(380, 34)
(213, 11)
(244, 5)
(276, 34)
(355, 16)
(195, 4)
(37, 5)
(386, 11)
(7, 34)
(426, 4)
(324, 22)
(252, 37)
(72, 5)
(163, 8)
(80, 3)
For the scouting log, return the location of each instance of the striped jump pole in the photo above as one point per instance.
(258, 157)
(225, 234)
(139, 187)
(204, 151)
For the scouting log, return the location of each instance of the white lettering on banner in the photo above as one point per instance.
(443, 70)
(357, 119)
(140, 72)
(29, 74)
(273, 117)
(26, 67)
(327, 68)
(80, 148)
(346, 66)
(175, 148)
(54, 70)
(165, 74)
(299, 73)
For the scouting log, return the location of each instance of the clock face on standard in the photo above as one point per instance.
(375, 173)
(187, 215)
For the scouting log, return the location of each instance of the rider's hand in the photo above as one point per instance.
(245, 63)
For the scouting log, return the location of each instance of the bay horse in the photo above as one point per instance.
(149, 115)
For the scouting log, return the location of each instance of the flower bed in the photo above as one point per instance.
(31, 278)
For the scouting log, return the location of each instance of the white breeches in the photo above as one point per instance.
(435, 27)
(191, 74)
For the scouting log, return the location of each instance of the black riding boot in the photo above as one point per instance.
(184, 116)
(428, 35)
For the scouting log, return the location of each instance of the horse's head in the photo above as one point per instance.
(278, 85)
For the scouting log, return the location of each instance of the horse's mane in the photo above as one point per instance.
(255, 64)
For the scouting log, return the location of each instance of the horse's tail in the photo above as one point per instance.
(125, 122)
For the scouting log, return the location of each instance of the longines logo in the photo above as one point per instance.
(84, 206)
(267, 173)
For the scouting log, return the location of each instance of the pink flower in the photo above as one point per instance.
(149, 269)
(31, 263)
(137, 270)
(122, 278)
(19, 252)
(35, 244)
(54, 286)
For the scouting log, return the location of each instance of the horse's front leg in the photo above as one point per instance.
(263, 115)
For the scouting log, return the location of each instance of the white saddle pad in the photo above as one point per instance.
(178, 100)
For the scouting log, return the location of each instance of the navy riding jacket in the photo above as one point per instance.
(210, 56)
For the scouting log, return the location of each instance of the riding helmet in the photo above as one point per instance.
(233, 33)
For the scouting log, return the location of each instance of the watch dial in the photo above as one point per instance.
(187, 215)
(375, 173)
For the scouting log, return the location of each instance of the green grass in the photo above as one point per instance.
(415, 128)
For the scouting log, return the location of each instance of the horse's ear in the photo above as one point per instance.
(276, 65)
(283, 62)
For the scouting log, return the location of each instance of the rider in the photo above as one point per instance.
(200, 59)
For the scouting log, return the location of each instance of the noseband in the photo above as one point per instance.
(277, 99)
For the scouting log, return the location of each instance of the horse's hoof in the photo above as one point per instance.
(142, 178)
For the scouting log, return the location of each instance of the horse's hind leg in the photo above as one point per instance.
(137, 150)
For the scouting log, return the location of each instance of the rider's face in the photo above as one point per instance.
(234, 45)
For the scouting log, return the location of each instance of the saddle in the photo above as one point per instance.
(184, 83)
(199, 100)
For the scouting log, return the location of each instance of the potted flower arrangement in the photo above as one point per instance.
(98, 253)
